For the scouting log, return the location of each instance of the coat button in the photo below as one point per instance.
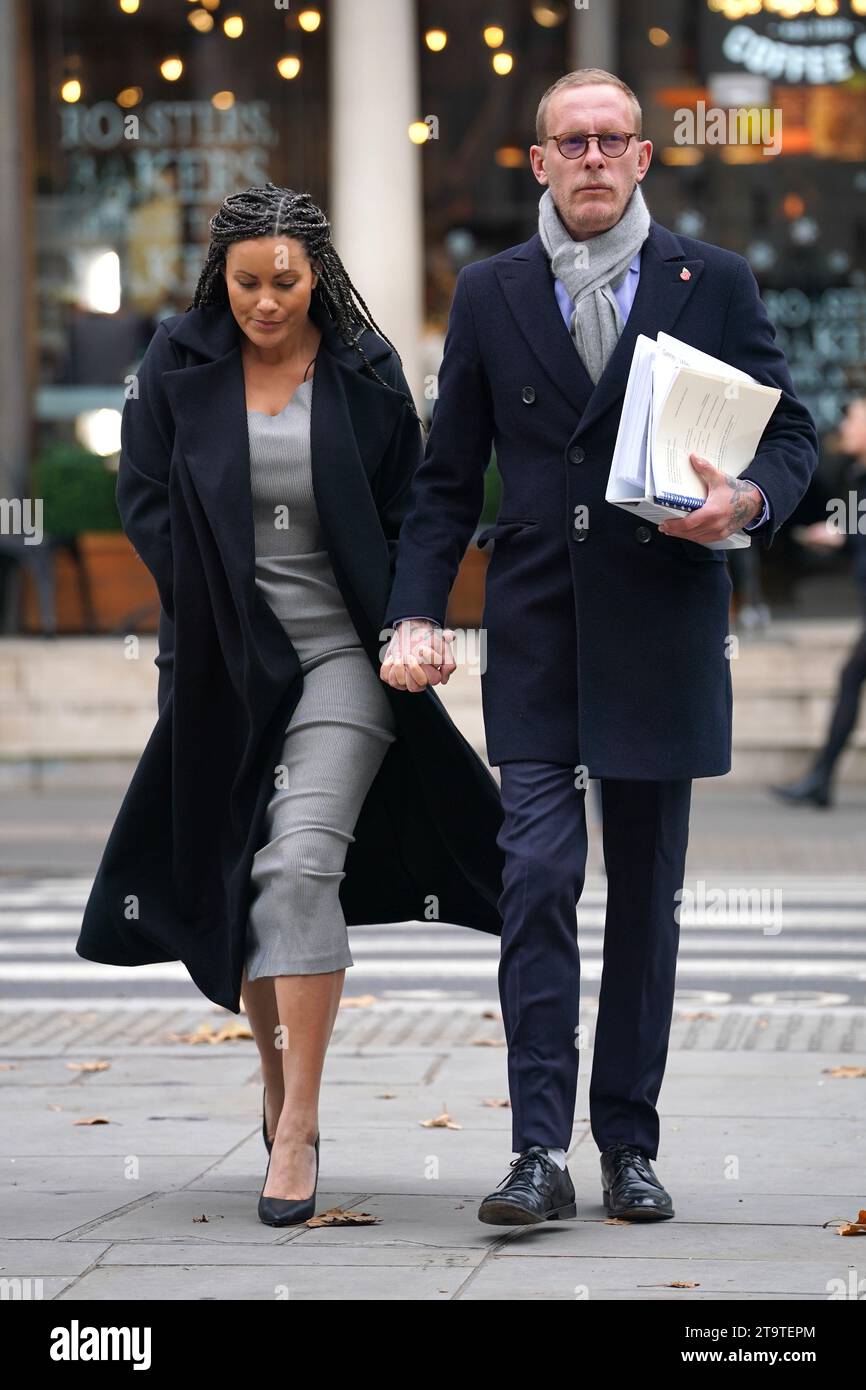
(643, 534)
(528, 395)
(576, 455)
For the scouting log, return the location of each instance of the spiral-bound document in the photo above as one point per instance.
(680, 401)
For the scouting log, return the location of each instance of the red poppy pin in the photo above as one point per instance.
(685, 274)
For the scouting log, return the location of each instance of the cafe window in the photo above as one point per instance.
(146, 116)
(785, 186)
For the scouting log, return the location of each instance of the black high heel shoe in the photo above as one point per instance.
(269, 1143)
(288, 1211)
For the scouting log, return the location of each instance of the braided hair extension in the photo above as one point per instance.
(270, 211)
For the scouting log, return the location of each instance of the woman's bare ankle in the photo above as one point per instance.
(297, 1128)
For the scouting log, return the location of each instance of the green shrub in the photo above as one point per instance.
(492, 492)
(77, 491)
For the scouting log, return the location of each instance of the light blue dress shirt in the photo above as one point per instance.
(625, 298)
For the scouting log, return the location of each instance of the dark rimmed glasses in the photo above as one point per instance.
(612, 144)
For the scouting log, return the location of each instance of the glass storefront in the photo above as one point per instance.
(790, 193)
(786, 187)
(145, 115)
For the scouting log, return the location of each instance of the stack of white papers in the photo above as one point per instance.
(680, 401)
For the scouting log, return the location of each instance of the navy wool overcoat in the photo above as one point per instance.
(607, 641)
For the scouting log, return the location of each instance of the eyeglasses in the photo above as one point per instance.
(613, 143)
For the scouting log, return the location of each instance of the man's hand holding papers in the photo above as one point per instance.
(689, 426)
(731, 503)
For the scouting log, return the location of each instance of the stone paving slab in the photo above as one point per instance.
(763, 1152)
(696, 1027)
(401, 1281)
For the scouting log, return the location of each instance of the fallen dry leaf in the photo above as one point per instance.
(616, 1221)
(357, 1001)
(336, 1216)
(491, 1013)
(498, 1103)
(387, 1095)
(488, 1042)
(443, 1121)
(230, 1032)
(854, 1228)
(694, 1017)
(845, 1071)
(88, 1066)
(93, 1120)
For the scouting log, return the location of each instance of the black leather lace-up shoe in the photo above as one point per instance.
(536, 1189)
(630, 1188)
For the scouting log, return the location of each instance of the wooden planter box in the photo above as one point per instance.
(466, 602)
(122, 591)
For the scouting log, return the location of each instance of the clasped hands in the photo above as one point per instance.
(731, 503)
(419, 654)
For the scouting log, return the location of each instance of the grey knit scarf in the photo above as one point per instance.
(591, 270)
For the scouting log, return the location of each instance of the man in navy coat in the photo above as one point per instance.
(607, 652)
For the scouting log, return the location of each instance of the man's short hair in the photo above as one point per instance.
(585, 77)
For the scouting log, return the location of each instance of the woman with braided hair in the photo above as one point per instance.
(280, 215)
(286, 793)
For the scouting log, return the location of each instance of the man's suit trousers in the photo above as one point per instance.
(544, 839)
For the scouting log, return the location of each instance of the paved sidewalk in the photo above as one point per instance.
(762, 1147)
(763, 1150)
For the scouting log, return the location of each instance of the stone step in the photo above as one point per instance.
(94, 698)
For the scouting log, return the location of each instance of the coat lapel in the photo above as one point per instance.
(527, 282)
(351, 423)
(209, 406)
(352, 419)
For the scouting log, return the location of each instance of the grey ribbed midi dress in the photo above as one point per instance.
(339, 731)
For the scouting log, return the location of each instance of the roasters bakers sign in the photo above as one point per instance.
(808, 47)
(156, 173)
(207, 148)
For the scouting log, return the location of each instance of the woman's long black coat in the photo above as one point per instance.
(174, 879)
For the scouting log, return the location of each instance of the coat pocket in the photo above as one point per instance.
(504, 527)
(694, 551)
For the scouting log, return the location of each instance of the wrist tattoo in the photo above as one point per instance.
(745, 502)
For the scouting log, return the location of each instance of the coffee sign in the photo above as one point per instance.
(808, 47)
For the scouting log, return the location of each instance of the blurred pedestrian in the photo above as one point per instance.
(815, 786)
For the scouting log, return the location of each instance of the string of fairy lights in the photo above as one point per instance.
(203, 16)
(207, 16)
(498, 49)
